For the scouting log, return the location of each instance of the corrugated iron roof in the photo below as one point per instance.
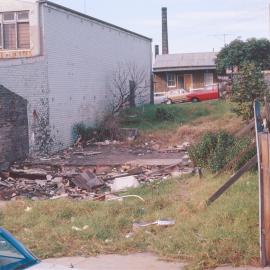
(185, 60)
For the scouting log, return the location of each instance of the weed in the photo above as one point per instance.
(163, 114)
(215, 150)
(225, 233)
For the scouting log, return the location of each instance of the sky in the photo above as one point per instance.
(194, 25)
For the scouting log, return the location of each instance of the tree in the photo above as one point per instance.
(248, 85)
(239, 52)
(129, 84)
(230, 56)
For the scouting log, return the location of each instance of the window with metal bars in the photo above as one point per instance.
(14, 30)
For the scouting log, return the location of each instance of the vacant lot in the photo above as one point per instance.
(226, 232)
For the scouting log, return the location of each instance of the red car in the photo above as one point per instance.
(208, 93)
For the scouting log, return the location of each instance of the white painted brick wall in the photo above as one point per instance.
(82, 55)
(75, 71)
(29, 79)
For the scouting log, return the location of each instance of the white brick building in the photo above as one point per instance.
(61, 62)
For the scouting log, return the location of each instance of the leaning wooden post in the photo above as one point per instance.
(259, 129)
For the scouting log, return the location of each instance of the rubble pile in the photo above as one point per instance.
(54, 180)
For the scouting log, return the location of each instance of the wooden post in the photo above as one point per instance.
(264, 139)
(249, 165)
(259, 130)
(132, 102)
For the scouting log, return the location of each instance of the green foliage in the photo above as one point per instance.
(230, 56)
(108, 129)
(215, 150)
(248, 85)
(145, 117)
(238, 52)
(82, 131)
(163, 114)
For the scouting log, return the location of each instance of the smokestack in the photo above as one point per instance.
(156, 50)
(165, 43)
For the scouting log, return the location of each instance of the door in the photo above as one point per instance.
(188, 81)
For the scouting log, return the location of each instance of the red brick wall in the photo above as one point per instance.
(160, 80)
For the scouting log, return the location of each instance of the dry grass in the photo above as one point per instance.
(193, 131)
(225, 233)
(190, 123)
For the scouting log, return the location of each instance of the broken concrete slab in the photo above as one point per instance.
(121, 184)
(29, 173)
(87, 180)
(154, 162)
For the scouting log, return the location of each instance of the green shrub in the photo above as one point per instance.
(85, 132)
(108, 129)
(215, 150)
(164, 115)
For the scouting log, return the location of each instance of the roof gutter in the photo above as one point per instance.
(93, 19)
(167, 69)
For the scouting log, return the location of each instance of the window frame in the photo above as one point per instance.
(206, 78)
(15, 22)
(171, 80)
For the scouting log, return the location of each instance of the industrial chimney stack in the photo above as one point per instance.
(165, 42)
(156, 50)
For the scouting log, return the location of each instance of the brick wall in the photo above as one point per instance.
(28, 78)
(14, 143)
(82, 55)
(71, 82)
(160, 80)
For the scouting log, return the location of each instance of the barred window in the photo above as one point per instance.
(14, 30)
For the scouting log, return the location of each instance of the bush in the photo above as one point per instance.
(84, 132)
(108, 129)
(248, 85)
(164, 115)
(215, 150)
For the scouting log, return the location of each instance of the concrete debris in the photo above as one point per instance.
(129, 235)
(28, 209)
(87, 180)
(77, 229)
(107, 142)
(28, 173)
(175, 149)
(122, 184)
(94, 173)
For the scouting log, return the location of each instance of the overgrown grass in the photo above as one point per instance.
(224, 233)
(145, 118)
